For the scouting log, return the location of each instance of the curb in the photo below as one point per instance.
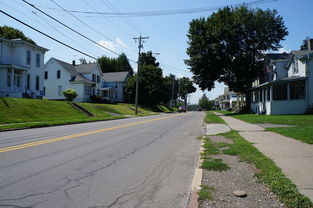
(196, 182)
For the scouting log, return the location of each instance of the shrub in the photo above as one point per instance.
(70, 94)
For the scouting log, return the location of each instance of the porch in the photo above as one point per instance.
(287, 96)
(13, 81)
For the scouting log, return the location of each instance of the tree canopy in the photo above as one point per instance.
(12, 33)
(229, 46)
(119, 64)
(153, 87)
(304, 45)
(185, 87)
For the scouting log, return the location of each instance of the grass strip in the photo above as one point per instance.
(205, 193)
(269, 173)
(230, 151)
(214, 164)
(57, 122)
(212, 118)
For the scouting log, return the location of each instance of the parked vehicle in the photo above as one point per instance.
(182, 109)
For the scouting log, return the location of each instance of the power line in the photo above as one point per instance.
(122, 29)
(125, 19)
(167, 12)
(48, 35)
(101, 34)
(84, 36)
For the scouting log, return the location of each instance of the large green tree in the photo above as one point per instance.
(229, 46)
(119, 64)
(152, 90)
(12, 33)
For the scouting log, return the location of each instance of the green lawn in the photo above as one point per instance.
(24, 113)
(120, 108)
(212, 118)
(17, 110)
(268, 172)
(302, 131)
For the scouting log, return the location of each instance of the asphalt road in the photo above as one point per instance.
(136, 162)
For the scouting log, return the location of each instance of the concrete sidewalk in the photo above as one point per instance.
(294, 157)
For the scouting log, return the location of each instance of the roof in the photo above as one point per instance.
(276, 57)
(25, 42)
(115, 76)
(284, 80)
(76, 76)
(299, 55)
(86, 68)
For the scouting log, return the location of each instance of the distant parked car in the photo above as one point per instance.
(182, 109)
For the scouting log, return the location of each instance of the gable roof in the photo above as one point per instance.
(76, 76)
(87, 68)
(115, 76)
(299, 55)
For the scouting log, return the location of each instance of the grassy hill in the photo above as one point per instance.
(21, 112)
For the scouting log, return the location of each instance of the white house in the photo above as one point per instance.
(227, 100)
(291, 89)
(60, 76)
(21, 69)
(112, 86)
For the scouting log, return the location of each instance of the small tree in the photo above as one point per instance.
(70, 94)
(204, 102)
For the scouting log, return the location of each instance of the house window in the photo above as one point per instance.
(46, 75)
(115, 85)
(297, 90)
(37, 82)
(9, 78)
(87, 90)
(295, 67)
(105, 93)
(60, 90)
(28, 54)
(280, 92)
(116, 95)
(58, 74)
(93, 77)
(28, 81)
(98, 79)
(37, 59)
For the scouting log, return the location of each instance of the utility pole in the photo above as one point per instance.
(140, 40)
(173, 86)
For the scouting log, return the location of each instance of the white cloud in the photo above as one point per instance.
(121, 43)
(117, 44)
(107, 44)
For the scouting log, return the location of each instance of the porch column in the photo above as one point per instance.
(12, 80)
(265, 94)
(288, 91)
(271, 92)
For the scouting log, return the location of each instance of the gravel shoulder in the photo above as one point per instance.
(240, 177)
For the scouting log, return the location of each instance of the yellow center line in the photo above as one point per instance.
(72, 136)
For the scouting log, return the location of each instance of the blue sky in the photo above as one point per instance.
(167, 34)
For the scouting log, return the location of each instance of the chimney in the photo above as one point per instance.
(310, 44)
(73, 63)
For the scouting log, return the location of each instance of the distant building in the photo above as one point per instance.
(227, 100)
(83, 78)
(21, 69)
(112, 86)
(287, 86)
